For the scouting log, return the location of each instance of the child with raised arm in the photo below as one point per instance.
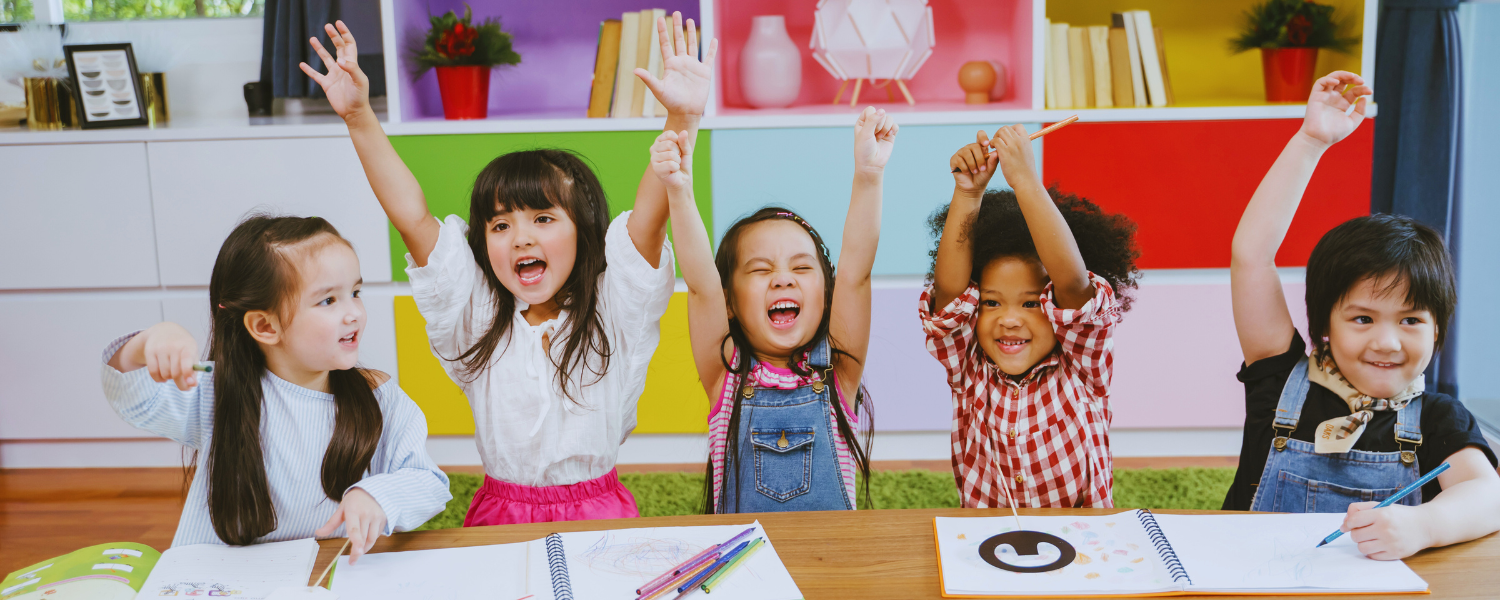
(550, 346)
(779, 339)
(1350, 425)
(1024, 297)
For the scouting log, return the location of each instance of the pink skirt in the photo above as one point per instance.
(501, 503)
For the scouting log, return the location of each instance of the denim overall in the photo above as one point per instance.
(1297, 479)
(785, 447)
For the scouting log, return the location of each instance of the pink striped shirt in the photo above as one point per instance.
(768, 376)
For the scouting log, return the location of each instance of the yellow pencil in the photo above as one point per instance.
(713, 582)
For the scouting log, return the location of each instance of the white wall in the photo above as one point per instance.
(213, 59)
(1479, 184)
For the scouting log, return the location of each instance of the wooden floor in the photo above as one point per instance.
(49, 512)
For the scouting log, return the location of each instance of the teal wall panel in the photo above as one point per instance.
(810, 171)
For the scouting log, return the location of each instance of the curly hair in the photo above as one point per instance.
(1106, 241)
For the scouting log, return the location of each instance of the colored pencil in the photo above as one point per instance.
(671, 585)
(713, 580)
(702, 575)
(675, 571)
(1049, 129)
(203, 367)
(1415, 485)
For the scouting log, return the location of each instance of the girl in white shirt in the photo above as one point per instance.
(550, 346)
(292, 438)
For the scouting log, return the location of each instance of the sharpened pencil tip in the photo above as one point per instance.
(1321, 544)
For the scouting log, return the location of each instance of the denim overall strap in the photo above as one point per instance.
(785, 457)
(1296, 478)
(1409, 429)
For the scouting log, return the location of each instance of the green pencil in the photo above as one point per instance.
(203, 368)
(713, 582)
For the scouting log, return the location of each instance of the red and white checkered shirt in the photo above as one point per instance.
(1051, 429)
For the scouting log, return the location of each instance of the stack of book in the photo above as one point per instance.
(1123, 65)
(625, 44)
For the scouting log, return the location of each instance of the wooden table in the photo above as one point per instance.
(877, 554)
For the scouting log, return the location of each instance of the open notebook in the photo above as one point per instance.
(126, 571)
(561, 566)
(1141, 553)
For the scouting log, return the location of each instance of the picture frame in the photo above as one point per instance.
(106, 85)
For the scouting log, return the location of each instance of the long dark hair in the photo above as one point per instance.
(256, 270)
(538, 180)
(727, 261)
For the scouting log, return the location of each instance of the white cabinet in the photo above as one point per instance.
(50, 361)
(76, 216)
(202, 189)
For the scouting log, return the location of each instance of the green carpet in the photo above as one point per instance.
(669, 494)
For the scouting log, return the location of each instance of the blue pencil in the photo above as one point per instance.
(702, 575)
(1415, 485)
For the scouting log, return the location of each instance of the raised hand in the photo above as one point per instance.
(1013, 148)
(685, 81)
(1328, 119)
(973, 165)
(347, 87)
(874, 138)
(672, 159)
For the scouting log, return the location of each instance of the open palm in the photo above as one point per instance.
(1326, 119)
(874, 138)
(347, 87)
(685, 81)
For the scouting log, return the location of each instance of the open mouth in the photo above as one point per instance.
(783, 313)
(530, 270)
(1012, 345)
(1383, 365)
(350, 340)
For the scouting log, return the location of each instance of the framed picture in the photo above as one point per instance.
(106, 85)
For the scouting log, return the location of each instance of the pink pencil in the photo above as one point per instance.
(675, 571)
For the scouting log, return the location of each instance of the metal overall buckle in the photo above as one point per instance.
(1280, 442)
(1408, 456)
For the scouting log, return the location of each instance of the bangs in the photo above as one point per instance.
(519, 181)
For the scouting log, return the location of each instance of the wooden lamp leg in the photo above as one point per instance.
(906, 93)
(854, 99)
(836, 97)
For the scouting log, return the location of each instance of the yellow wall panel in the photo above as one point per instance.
(1197, 33)
(673, 401)
(423, 377)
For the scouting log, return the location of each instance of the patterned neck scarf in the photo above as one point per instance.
(1324, 372)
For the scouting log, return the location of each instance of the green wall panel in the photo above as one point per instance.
(445, 166)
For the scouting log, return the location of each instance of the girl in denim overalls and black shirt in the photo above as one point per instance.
(779, 340)
(1348, 426)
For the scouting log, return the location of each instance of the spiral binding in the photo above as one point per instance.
(557, 563)
(1163, 547)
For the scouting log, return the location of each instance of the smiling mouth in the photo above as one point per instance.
(350, 340)
(1012, 345)
(1383, 365)
(783, 313)
(530, 270)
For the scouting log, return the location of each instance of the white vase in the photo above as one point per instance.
(770, 65)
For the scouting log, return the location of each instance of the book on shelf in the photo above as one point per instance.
(1119, 68)
(625, 79)
(1049, 83)
(651, 107)
(646, 26)
(1061, 75)
(1133, 56)
(1078, 67)
(1156, 91)
(1098, 42)
(1166, 78)
(606, 65)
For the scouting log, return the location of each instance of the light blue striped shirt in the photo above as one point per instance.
(296, 425)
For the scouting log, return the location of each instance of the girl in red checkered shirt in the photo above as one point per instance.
(1021, 311)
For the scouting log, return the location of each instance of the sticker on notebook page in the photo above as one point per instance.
(1027, 551)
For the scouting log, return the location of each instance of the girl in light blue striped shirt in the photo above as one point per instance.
(292, 438)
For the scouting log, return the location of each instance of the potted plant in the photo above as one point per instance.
(1289, 34)
(463, 55)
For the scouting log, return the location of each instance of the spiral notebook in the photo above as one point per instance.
(1138, 553)
(561, 566)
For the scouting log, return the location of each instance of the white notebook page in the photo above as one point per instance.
(1115, 556)
(501, 572)
(1278, 552)
(239, 572)
(613, 564)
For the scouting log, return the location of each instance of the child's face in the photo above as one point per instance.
(1379, 342)
(328, 317)
(778, 287)
(1012, 329)
(532, 251)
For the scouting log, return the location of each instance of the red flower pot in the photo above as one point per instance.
(465, 91)
(1289, 73)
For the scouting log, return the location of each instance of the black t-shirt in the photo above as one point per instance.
(1447, 426)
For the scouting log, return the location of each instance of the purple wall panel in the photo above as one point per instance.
(907, 385)
(557, 42)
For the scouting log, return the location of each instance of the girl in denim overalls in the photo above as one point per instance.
(779, 340)
(1380, 291)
